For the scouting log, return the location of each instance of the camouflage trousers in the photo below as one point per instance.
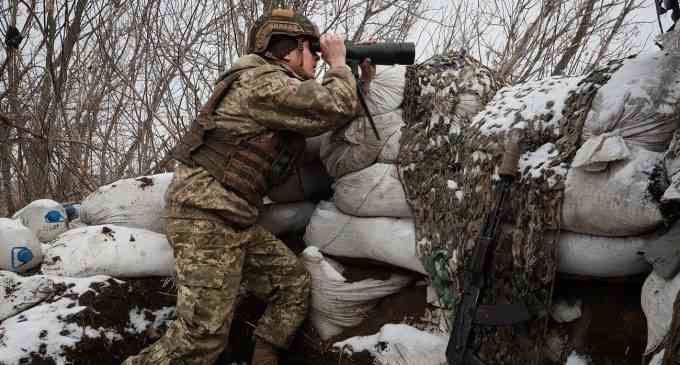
(212, 260)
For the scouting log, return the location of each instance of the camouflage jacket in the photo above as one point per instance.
(265, 97)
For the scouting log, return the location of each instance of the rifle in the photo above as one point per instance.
(380, 54)
(480, 276)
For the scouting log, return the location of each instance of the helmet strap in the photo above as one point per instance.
(300, 68)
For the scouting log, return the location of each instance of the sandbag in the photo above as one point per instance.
(109, 250)
(375, 191)
(614, 202)
(639, 104)
(582, 254)
(336, 304)
(286, 217)
(389, 240)
(355, 146)
(386, 92)
(19, 293)
(658, 297)
(136, 202)
(45, 217)
(19, 247)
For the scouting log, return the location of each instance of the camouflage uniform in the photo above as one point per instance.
(213, 257)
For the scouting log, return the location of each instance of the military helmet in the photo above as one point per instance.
(279, 22)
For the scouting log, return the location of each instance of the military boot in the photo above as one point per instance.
(264, 354)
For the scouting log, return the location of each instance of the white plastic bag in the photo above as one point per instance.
(109, 250)
(375, 191)
(19, 293)
(390, 240)
(19, 247)
(658, 297)
(45, 217)
(582, 254)
(615, 201)
(138, 202)
(336, 304)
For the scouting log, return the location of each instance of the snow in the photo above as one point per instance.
(658, 358)
(44, 325)
(535, 164)
(514, 107)
(139, 323)
(400, 344)
(577, 359)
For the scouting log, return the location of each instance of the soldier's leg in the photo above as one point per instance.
(209, 258)
(271, 270)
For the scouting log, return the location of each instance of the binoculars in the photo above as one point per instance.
(388, 53)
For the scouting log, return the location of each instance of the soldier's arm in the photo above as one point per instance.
(307, 107)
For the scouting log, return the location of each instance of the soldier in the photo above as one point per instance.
(247, 138)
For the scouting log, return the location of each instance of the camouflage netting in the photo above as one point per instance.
(449, 159)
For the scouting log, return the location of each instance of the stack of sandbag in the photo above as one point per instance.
(140, 203)
(369, 216)
(626, 169)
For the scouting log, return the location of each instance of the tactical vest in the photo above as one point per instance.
(247, 166)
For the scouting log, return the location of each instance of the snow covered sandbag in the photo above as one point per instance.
(336, 304)
(112, 250)
(136, 202)
(355, 146)
(19, 293)
(45, 217)
(375, 191)
(582, 254)
(19, 247)
(389, 240)
(400, 344)
(613, 202)
(639, 104)
(386, 92)
(658, 297)
(286, 217)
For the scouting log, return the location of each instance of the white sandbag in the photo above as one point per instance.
(639, 104)
(19, 247)
(658, 297)
(336, 304)
(286, 217)
(45, 217)
(355, 146)
(375, 191)
(400, 344)
(390, 240)
(613, 202)
(386, 91)
(597, 256)
(138, 202)
(19, 293)
(109, 250)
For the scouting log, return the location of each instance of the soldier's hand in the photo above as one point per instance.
(367, 69)
(333, 49)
